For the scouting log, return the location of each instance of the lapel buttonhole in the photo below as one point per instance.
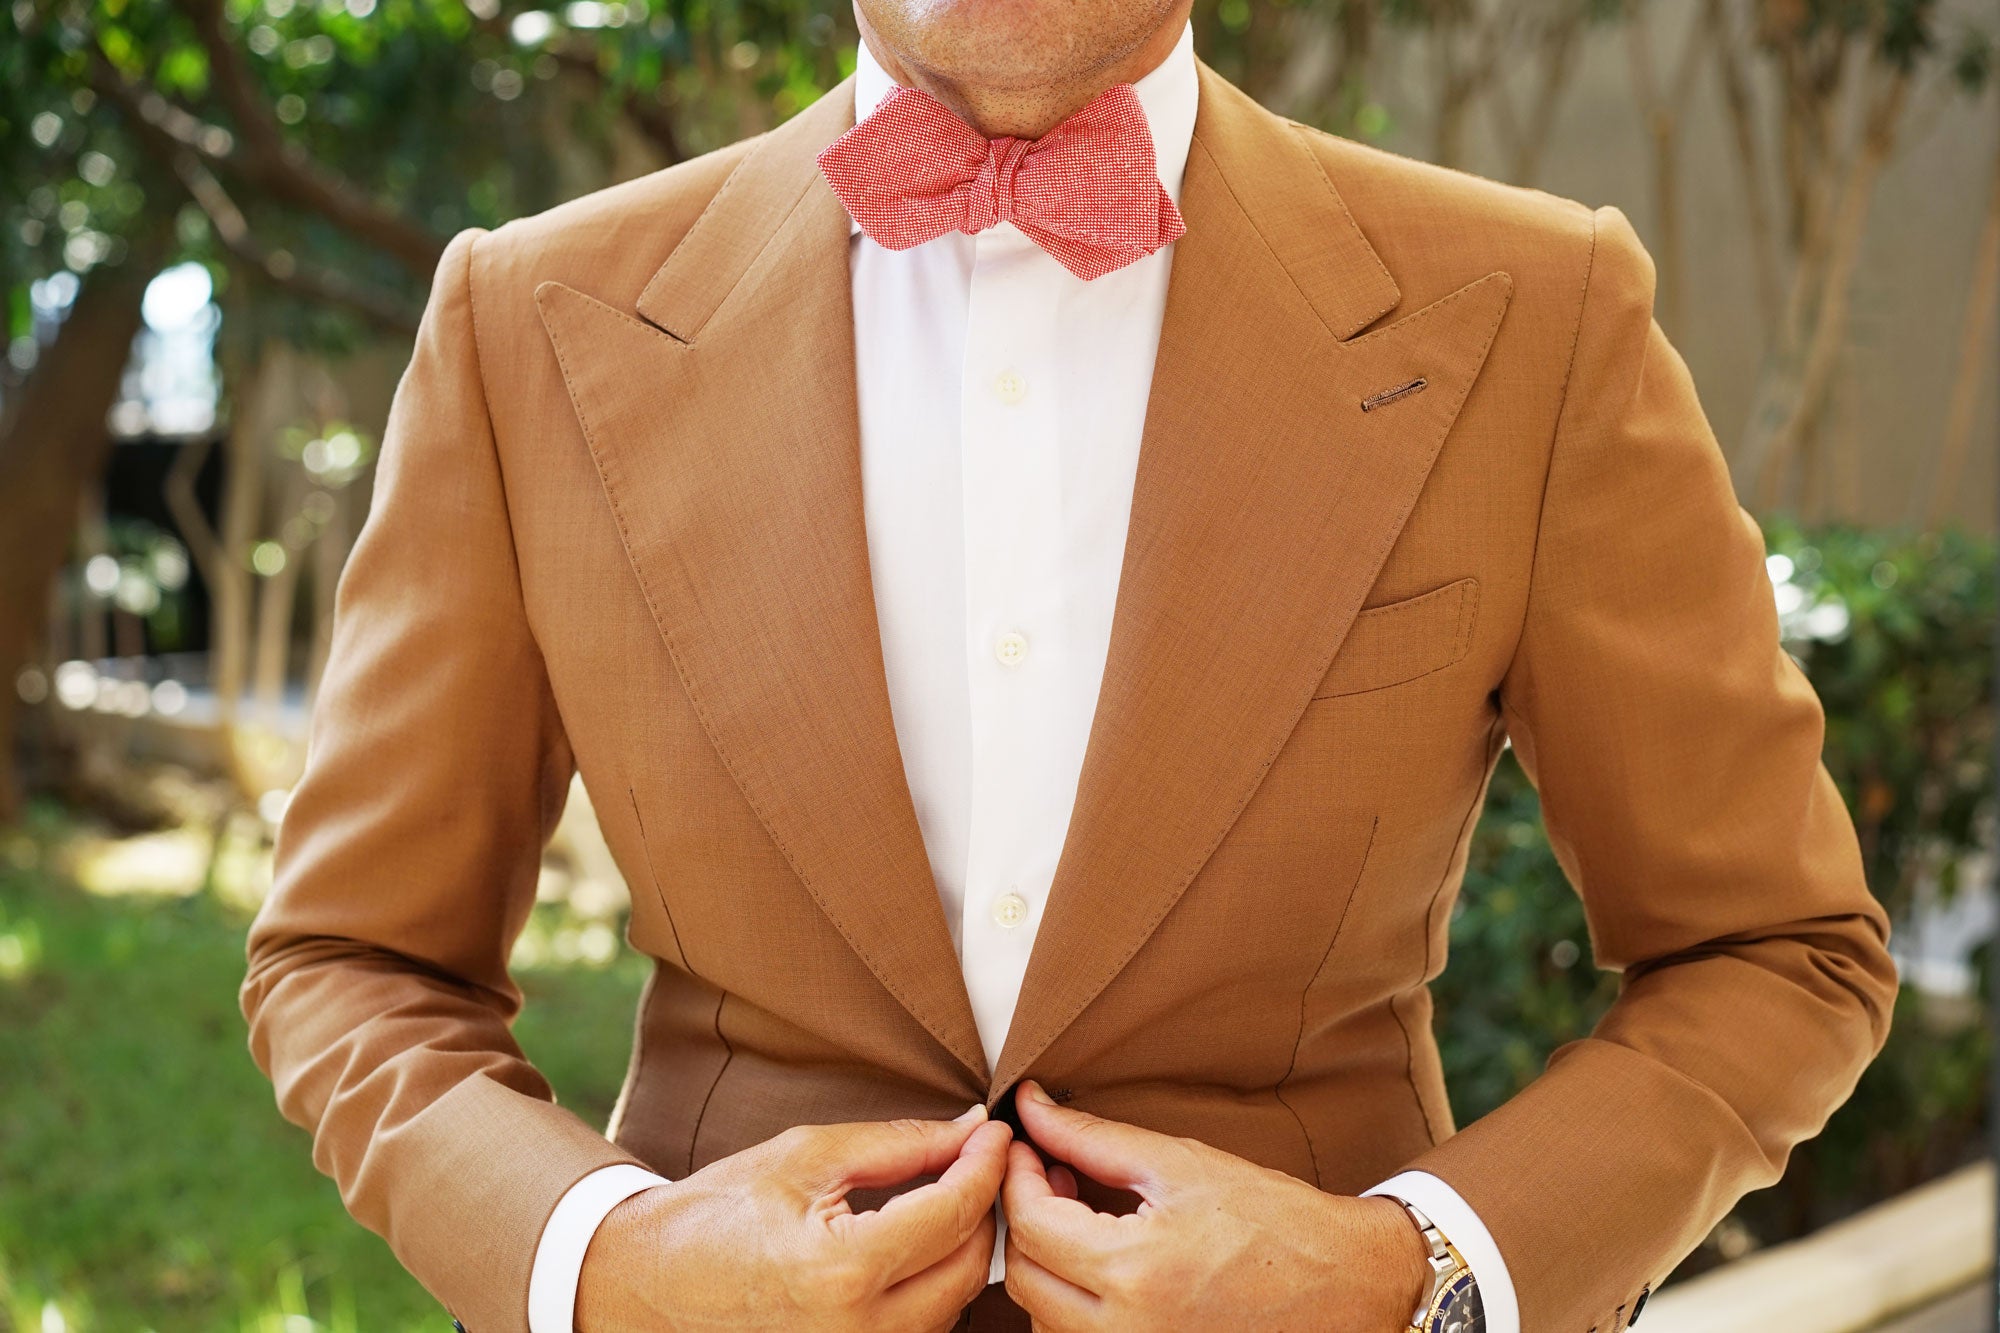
(1387, 396)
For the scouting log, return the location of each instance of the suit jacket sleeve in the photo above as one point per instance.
(1676, 749)
(378, 994)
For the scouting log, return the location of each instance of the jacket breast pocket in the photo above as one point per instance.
(1400, 641)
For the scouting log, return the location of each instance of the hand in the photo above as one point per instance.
(1217, 1242)
(765, 1238)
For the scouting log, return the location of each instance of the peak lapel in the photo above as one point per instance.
(725, 431)
(1265, 503)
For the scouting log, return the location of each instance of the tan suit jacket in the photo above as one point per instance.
(617, 526)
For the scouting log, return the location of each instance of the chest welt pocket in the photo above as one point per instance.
(1400, 641)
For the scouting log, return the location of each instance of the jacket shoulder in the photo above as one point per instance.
(1437, 228)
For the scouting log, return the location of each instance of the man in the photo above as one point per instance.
(1035, 583)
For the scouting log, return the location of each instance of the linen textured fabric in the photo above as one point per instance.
(617, 530)
(1088, 191)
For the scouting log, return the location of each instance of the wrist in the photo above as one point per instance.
(1405, 1257)
(1449, 1297)
(635, 1229)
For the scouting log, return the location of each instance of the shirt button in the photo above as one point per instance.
(1010, 387)
(1011, 648)
(1009, 910)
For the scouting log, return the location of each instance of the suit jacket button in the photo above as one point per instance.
(1005, 1110)
(1639, 1306)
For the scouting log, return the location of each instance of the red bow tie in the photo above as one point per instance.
(1088, 191)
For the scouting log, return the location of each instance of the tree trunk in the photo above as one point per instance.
(53, 448)
(1975, 362)
(329, 555)
(1350, 73)
(272, 634)
(1663, 131)
(1559, 43)
(1663, 111)
(1788, 401)
(1737, 101)
(256, 385)
(1460, 77)
(255, 388)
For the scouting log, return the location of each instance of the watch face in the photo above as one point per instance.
(1457, 1308)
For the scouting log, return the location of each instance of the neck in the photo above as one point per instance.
(1026, 111)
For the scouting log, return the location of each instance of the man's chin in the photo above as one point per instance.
(1013, 44)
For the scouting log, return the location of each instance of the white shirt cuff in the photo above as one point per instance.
(1462, 1227)
(559, 1254)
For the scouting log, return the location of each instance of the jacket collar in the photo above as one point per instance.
(1270, 174)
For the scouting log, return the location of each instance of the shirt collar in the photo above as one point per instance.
(1167, 94)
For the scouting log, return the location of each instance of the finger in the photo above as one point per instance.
(1123, 1156)
(919, 1227)
(875, 1154)
(1052, 1302)
(1062, 1235)
(934, 1297)
(1027, 1178)
(1062, 1180)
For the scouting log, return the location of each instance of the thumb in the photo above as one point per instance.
(1110, 1151)
(875, 1154)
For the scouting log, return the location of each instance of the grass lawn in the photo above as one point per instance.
(147, 1181)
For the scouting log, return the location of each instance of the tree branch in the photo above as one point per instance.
(188, 146)
(280, 267)
(284, 171)
(651, 119)
(1739, 104)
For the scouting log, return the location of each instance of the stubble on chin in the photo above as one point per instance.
(1012, 63)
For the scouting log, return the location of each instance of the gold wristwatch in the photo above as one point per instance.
(1450, 1302)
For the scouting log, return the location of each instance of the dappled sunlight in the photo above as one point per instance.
(227, 855)
(172, 864)
(580, 896)
(20, 950)
(545, 944)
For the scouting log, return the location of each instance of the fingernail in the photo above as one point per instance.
(1035, 1094)
(971, 1115)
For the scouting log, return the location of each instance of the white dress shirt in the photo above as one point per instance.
(1002, 401)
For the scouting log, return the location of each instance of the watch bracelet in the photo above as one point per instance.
(1447, 1268)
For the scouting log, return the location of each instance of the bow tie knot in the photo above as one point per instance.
(989, 196)
(1088, 192)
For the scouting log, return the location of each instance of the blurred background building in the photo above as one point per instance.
(218, 219)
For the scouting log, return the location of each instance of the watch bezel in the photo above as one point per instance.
(1459, 1281)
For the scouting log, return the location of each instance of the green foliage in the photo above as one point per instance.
(151, 568)
(1918, 1112)
(1520, 980)
(1894, 631)
(425, 116)
(1972, 60)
